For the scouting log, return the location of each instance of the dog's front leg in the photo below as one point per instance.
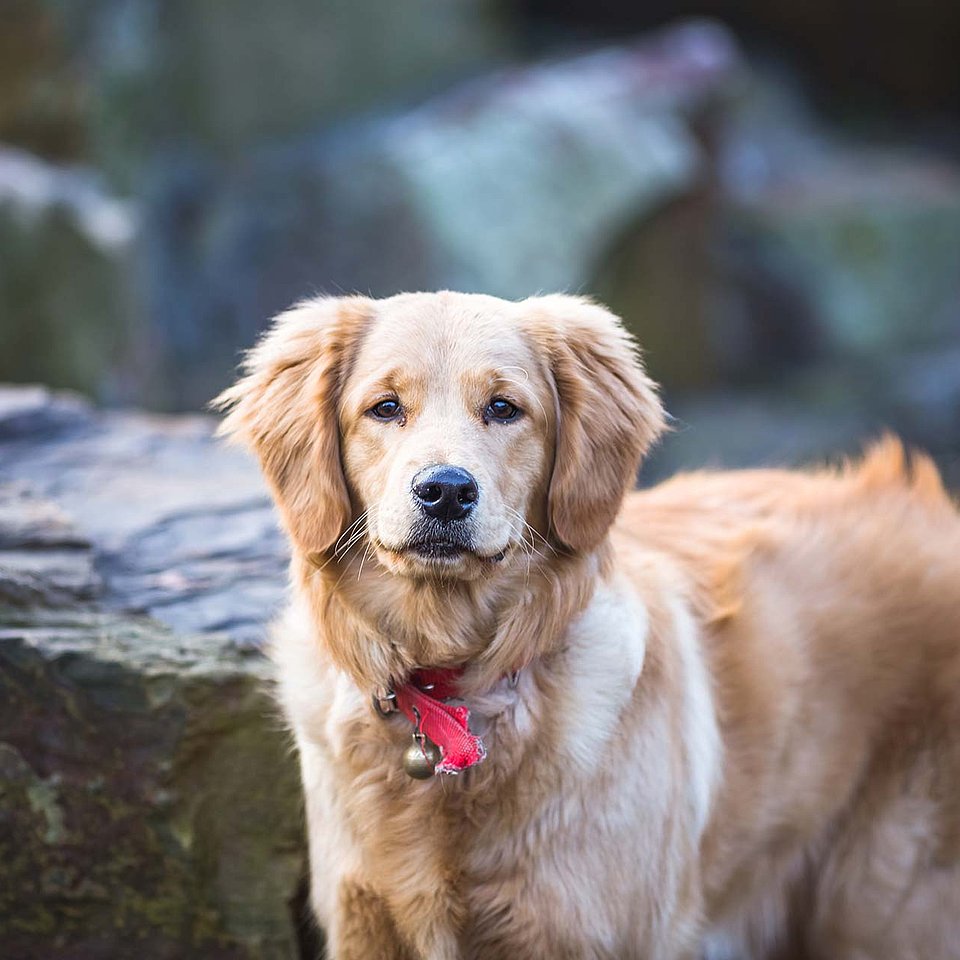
(363, 928)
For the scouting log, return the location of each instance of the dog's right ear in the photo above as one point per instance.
(608, 414)
(284, 409)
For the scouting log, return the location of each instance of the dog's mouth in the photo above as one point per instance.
(443, 552)
(437, 549)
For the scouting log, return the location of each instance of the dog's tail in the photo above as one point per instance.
(888, 463)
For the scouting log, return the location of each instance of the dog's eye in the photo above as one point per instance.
(386, 410)
(500, 409)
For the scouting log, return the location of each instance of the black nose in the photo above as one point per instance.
(445, 492)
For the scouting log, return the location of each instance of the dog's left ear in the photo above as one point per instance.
(284, 409)
(608, 415)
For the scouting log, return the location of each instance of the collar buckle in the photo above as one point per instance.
(385, 703)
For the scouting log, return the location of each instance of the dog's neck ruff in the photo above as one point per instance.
(423, 701)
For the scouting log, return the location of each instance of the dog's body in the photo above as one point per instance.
(734, 728)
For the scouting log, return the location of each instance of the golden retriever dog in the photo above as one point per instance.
(540, 716)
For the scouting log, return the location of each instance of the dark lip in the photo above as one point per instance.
(443, 550)
(434, 549)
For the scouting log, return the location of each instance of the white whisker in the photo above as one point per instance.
(350, 529)
(359, 528)
(363, 559)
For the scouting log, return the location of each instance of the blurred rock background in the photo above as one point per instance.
(771, 197)
(769, 193)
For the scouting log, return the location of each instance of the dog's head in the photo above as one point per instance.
(444, 433)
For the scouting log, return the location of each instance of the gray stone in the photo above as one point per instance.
(51, 578)
(138, 91)
(870, 235)
(44, 561)
(29, 523)
(66, 303)
(876, 239)
(148, 795)
(118, 81)
(32, 411)
(807, 248)
(182, 527)
(147, 801)
(511, 184)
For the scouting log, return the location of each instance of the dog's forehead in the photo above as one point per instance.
(439, 337)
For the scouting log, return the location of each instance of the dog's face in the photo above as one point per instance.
(445, 434)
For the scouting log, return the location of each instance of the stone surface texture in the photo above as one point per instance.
(149, 801)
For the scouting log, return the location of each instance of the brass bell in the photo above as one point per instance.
(420, 759)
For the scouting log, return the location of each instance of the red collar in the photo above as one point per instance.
(426, 693)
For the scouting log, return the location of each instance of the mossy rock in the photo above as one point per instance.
(148, 799)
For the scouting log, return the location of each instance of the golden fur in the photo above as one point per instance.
(735, 728)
